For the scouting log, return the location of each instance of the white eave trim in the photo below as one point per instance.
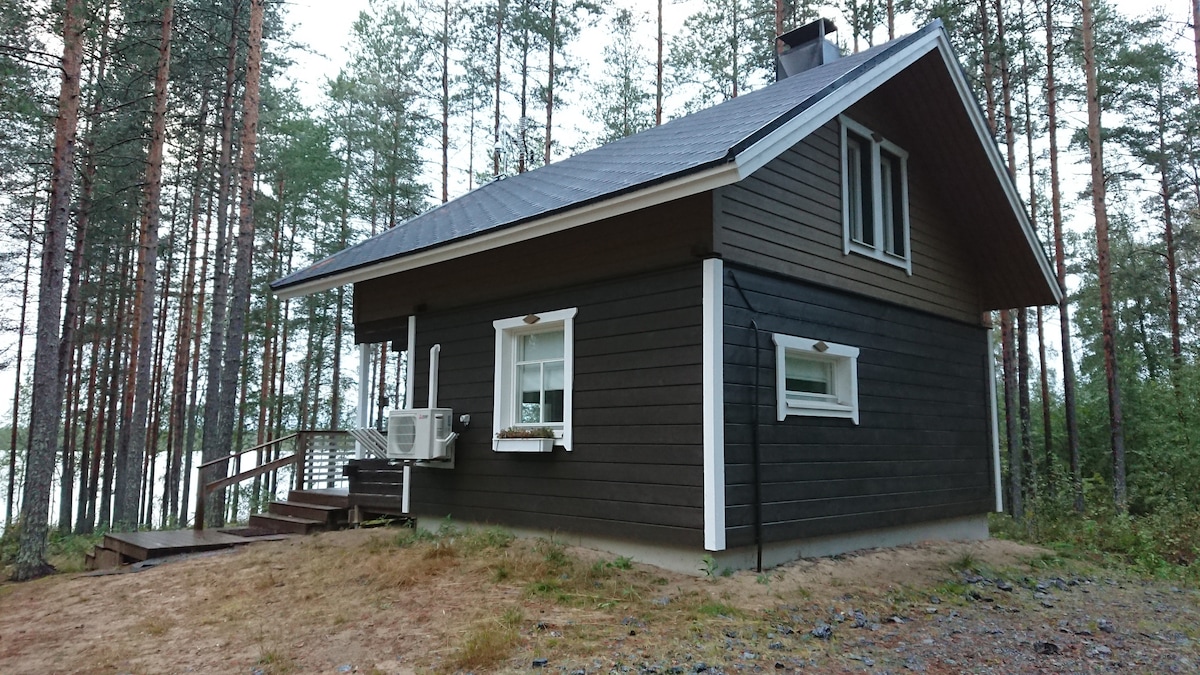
(661, 193)
(747, 162)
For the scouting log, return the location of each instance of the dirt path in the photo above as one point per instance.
(379, 602)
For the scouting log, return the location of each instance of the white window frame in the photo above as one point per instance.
(878, 251)
(844, 360)
(508, 333)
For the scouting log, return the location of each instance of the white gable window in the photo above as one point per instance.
(874, 196)
(534, 369)
(814, 378)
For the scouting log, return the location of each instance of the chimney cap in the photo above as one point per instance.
(810, 32)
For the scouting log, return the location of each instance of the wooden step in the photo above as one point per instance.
(287, 524)
(330, 515)
(338, 498)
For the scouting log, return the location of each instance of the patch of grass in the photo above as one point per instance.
(487, 643)
(276, 662)
(157, 625)
(965, 563)
(712, 609)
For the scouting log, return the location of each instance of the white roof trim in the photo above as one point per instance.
(998, 163)
(634, 201)
(747, 162)
(799, 127)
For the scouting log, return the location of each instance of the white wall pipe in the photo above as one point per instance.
(435, 357)
(410, 372)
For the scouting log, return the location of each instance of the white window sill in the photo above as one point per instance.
(875, 254)
(818, 409)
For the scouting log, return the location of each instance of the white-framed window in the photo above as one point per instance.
(814, 378)
(534, 373)
(874, 196)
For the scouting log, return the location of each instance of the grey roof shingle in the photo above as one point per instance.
(682, 146)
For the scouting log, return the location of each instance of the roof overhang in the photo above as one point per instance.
(744, 161)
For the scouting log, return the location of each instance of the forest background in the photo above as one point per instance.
(160, 164)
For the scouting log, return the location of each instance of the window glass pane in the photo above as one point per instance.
(808, 376)
(854, 187)
(529, 380)
(886, 197)
(554, 378)
(893, 207)
(541, 346)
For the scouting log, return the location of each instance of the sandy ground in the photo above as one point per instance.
(355, 602)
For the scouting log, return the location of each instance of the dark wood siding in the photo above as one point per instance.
(787, 218)
(922, 449)
(636, 468)
(653, 238)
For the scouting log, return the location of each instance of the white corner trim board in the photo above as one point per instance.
(714, 405)
(995, 421)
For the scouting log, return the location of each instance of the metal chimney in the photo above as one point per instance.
(807, 48)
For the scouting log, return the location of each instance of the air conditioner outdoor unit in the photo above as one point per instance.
(420, 434)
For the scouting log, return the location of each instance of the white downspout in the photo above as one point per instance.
(991, 359)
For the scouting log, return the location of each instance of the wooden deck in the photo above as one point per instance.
(162, 543)
(304, 511)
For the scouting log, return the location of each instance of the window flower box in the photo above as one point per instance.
(524, 439)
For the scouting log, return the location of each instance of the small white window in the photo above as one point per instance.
(815, 378)
(874, 196)
(534, 355)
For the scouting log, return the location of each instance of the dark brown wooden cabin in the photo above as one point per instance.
(777, 337)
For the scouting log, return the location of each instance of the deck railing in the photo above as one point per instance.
(315, 460)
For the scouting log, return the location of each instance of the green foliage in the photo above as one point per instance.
(1164, 542)
(725, 49)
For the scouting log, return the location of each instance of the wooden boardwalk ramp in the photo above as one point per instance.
(303, 512)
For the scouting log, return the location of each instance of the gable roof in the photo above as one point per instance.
(702, 151)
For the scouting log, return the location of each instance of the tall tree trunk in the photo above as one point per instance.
(1022, 333)
(445, 101)
(183, 338)
(1060, 266)
(93, 423)
(1103, 263)
(500, 7)
(10, 494)
(550, 77)
(522, 120)
(116, 366)
(1016, 484)
(658, 68)
(127, 507)
(47, 405)
(211, 447)
(1165, 193)
(1196, 37)
(1043, 371)
(239, 306)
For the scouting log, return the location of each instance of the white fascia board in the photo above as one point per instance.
(678, 188)
(820, 113)
(999, 166)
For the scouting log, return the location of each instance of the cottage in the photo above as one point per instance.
(758, 331)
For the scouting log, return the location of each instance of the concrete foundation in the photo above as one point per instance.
(691, 560)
